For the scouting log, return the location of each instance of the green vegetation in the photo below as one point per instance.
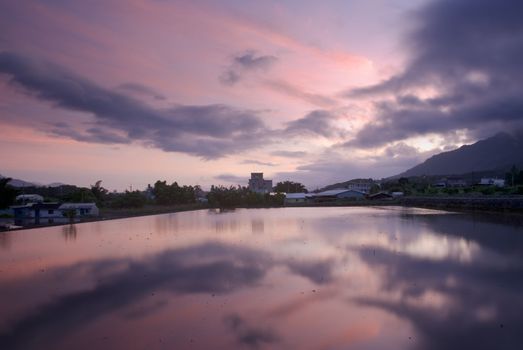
(424, 185)
(174, 194)
(161, 195)
(128, 199)
(7, 193)
(290, 187)
(514, 177)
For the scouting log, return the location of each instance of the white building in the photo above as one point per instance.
(29, 198)
(486, 181)
(48, 213)
(297, 197)
(258, 184)
(341, 193)
(81, 209)
(361, 185)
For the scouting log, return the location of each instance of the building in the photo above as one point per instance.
(297, 198)
(37, 213)
(487, 181)
(338, 194)
(362, 185)
(451, 181)
(258, 184)
(455, 181)
(49, 213)
(80, 209)
(29, 198)
(380, 196)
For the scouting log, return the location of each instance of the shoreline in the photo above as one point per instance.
(512, 205)
(116, 214)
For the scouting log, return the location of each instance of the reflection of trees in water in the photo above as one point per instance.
(221, 210)
(5, 240)
(69, 232)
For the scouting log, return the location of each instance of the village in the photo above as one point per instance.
(32, 209)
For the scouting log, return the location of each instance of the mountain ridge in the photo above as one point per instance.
(498, 152)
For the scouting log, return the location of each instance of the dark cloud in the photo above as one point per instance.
(249, 60)
(141, 90)
(482, 308)
(95, 134)
(224, 270)
(289, 154)
(331, 168)
(319, 272)
(471, 52)
(232, 178)
(208, 131)
(296, 92)
(257, 162)
(244, 63)
(480, 304)
(319, 122)
(230, 77)
(253, 337)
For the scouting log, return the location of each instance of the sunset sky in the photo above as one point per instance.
(205, 92)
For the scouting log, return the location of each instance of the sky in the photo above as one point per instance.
(205, 92)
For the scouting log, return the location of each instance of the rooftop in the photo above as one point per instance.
(336, 192)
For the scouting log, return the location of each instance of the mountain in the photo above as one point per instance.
(22, 183)
(19, 183)
(498, 152)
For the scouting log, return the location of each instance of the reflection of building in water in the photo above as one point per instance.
(258, 184)
(5, 240)
(69, 232)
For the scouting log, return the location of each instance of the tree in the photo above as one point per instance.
(374, 189)
(173, 194)
(289, 187)
(514, 177)
(7, 193)
(403, 181)
(228, 197)
(80, 195)
(128, 199)
(99, 192)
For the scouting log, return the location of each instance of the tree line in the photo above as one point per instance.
(162, 193)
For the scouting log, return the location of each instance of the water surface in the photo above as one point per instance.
(293, 278)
